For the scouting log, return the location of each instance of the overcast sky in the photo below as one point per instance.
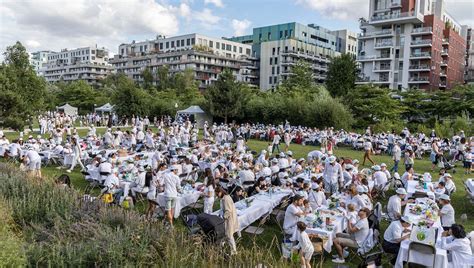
(57, 24)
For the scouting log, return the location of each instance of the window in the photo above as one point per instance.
(269, 36)
(276, 60)
(273, 69)
(273, 51)
(286, 33)
(278, 69)
(247, 51)
(235, 49)
(278, 51)
(172, 44)
(240, 50)
(270, 80)
(193, 41)
(182, 43)
(92, 58)
(271, 61)
(211, 44)
(275, 80)
(177, 43)
(167, 44)
(281, 34)
(228, 47)
(123, 51)
(92, 51)
(161, 46)
(259, 37)
(145, 47)
(291, 31)
(218, 45)
(188, 42)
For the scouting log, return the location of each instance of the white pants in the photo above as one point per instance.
(208, 204)
(76, 160)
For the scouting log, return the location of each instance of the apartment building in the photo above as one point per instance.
(469, 66)
(38, 59)
(347, 42)
(206, 56)
(88, 63)
(279, 47)
(411, 44)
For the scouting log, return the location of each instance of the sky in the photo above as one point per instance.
(57, 24)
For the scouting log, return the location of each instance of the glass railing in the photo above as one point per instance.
(384, 44)
(383, 32)
(417, 67)
(416, 79)
(421, 42)
(421, 54)
(393, 16)
(422, 30)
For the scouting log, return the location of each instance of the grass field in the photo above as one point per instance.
(271, 237)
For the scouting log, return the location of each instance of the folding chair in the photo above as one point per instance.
(318, 245)
(425, 250)
(278, 213)
(257, 230)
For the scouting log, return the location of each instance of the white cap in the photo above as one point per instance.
(376, 168)
(445, 197)
(290, 153)
(401, 191)
(360, 189)
(406, 219)
(355, 161)
(447, 175)
(383, 165)
(348, 167)
(332, 159)
(427, 177)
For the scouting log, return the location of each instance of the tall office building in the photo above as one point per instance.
(38, 59)
(279, 47)
(206, 56)
(88, 63)
(411, 44)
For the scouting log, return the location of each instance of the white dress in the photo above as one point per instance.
(208, 201)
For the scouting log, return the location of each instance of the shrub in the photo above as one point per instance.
(11, 244)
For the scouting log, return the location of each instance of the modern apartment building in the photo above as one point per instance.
(411, 44)
(469, 68)
(347, 42)
(279, 47)
(206, 56)
(38, 59)
(88, 63)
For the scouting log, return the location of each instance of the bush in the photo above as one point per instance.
(61, 229)
(11, 245)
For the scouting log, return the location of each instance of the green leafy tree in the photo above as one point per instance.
(370, 104)
(163, 76)
(130, 99)
(418, 105)
(341, 76)
(81, 95)
(226, 97)
(148, 80)
(302, 77)
(22, 92)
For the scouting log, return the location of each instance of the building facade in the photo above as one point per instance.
(469, 66)
(38, 59)
(206, 56)
(88, 63)
(411, 44)
(279, 47)
(346, 42)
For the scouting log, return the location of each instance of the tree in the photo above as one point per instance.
(162, 74)
(417, 104)
(148, 80)
(226, 97)
(302, 77)
(371, 104)
(130, 99)
(81, 95)
(22, 91)
(341, 76)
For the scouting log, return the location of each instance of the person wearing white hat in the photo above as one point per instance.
(33, 161)
(396, 232)
(448, 183)
(283, 161)
(139, 184)
(384, 169)
(332, 175)
(446, 212)
(395, 203)
(316, 196)
(379, 177)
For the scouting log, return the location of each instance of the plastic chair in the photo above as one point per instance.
(424, 249)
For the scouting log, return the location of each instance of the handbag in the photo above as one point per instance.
(108, 198)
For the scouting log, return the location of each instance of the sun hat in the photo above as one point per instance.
(332, 159)
(401, 191)
(383, 165)
(376, 168)
(445, 197)
(290, 153)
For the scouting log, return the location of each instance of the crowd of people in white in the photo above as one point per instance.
(153, 157)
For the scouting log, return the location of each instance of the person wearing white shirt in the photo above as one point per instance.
(209, 196)
(305, 246)
(172, 186)
(368, 149)
(447, 212)
(33, 160)
(396, 156)
(355, 238)
(379, 177)
(395, 203)
(456, 242)
(332, 176)
(448, 183)
(138, 186)
(396, 232)
(276, 142)
(316, 197)
(391, 142)
(292, 215)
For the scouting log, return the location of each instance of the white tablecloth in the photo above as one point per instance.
(339, 224)
(261, 205)
(182, 201)
(415, 219)
(441, 260)
(412, 188)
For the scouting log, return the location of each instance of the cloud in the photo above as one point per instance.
(240, 26)
(338, 9)
(206, 18)
(217, 3)
(461, 10)
(184, 10)
(60, 24)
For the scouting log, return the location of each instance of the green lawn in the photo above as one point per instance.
(271, 237)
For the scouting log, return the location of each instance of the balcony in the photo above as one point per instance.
(422, 30)
(395, 17)
(373, 57)
(377, 33)
(443, 74)
(419, 68)
(443, 63)
(383, 44)
(442, 85)
(362, 80)
(421, 55)
(444, 52)
(445, 41)
(419, 80)
(421, 43)
(383, 68)
(396, 4)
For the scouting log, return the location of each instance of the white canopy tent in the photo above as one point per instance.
(67, 109)
(106, 108)
(195, 114)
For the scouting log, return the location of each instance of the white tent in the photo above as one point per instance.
(106, 108)
(67, 109)
(195, 114)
